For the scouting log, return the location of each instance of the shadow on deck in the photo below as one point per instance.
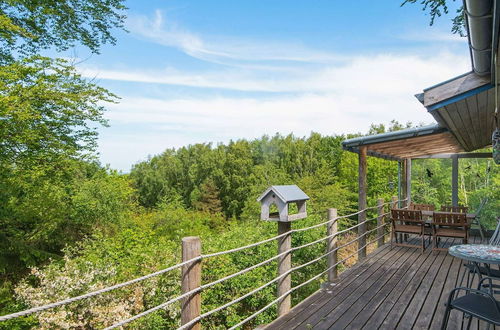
(397, 288)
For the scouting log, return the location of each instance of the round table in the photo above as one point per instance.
(481, 253)
(476, 254)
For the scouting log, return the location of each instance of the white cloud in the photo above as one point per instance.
(342, 99)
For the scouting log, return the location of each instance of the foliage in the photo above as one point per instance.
(47, 113)
(28, 26)
(210, 192)
(436, 8)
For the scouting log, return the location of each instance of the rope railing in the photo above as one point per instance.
(241, 272)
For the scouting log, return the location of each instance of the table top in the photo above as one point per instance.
(489, 254)
(429, 214)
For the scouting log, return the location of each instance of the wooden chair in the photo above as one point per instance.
(455, 209)
(422, 207)
(449, 224)
(407, 222)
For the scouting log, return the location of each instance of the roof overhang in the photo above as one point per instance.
(465, 105)
(407, 143)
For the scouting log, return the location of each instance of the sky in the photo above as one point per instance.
(213, 71)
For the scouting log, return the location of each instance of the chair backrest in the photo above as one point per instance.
(495, 238)
(449, 218)
(422, 207)
(455, 209)
(404, 215)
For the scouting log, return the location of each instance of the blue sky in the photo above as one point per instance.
(211, 71)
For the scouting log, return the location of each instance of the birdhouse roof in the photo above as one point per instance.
(289, 193)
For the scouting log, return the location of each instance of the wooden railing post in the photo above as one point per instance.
(380, 222)
(191, 279)
(332, 244)
(394, 202)
(284, 265)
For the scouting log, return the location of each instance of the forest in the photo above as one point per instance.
(69, 225)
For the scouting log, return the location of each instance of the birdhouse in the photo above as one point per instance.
(283, 197)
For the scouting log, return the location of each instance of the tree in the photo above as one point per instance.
(208, 199)
(436, 8)
(47, 112)
(28, 26)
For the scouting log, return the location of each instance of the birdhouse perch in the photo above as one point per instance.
(283, 197)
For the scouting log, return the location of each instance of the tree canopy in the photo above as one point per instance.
(28, 26)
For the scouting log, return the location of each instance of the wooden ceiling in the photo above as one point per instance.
(417, 146)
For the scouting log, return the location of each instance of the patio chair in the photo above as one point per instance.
(449, 224)
(422, 207)
(475, 303)
(407, 222)
(455, 209)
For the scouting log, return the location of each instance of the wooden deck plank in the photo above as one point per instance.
(453, 275)
(424, 302)
(392, 288)
(303, 310)
(331, 311)
(358, 271)
(398, 310)
(374, 302)
(358, 303)
(392, 299)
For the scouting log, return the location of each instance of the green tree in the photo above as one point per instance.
(208, 198)
(28, 26)
(48, 112)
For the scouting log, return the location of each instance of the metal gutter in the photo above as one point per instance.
(479, 24)
(392, 136)
(494, 46)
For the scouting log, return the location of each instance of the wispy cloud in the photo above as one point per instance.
(222, 49)
(380, 74)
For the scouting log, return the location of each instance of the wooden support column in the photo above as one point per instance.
(362, 203)
(408, 181)
(400, 185)
(380, 222)
(332, 244)
(284, 265)
(454, 180)
(190, 280)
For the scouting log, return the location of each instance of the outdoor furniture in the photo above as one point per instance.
(422, 207)
(454, 209)
(495, 238)
(475, 255)
(449, 224)
(486, 269)
(407, 222)
(475, 303)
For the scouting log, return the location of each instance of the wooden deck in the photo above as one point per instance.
(392, 289)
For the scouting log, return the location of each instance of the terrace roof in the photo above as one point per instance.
(407, 143)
